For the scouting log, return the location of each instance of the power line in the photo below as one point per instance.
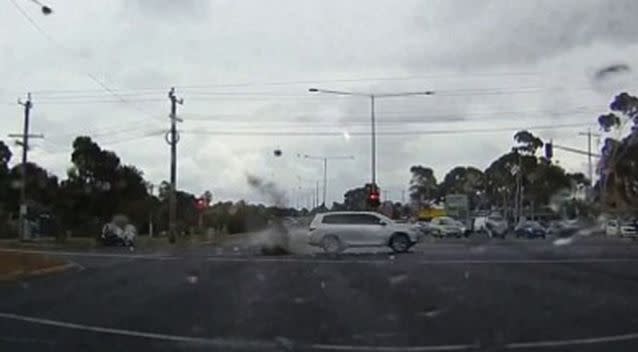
(69, 51)
(460, 75)
(390, 118)
(385, 133)
(247, 95)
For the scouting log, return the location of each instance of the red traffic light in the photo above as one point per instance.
(200, 204)
(374, 200)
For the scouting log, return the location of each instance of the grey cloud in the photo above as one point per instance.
(170, 8)
(522, 32)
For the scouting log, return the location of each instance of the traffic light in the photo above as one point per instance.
(549, 150)
(374, 200)
(201, 204)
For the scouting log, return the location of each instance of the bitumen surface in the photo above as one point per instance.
(476, 294)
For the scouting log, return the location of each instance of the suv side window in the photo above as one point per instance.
(365, 219)
(335, 219)
(351, 219)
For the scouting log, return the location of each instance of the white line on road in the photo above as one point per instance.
(571, 342)
(389, 258)
(262, 344)
(223, 342)
(219, 342)
(325, 347)
(89, 254)
(294, 260)
(422, 262)
(530, 261)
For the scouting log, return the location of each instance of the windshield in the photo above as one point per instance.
(327, 175)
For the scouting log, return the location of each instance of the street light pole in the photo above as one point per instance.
(373, 97)
(325, 159)
(374, 142)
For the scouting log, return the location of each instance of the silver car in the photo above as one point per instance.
(337, 231)
(446, 227)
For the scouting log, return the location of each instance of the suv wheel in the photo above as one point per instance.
(331, 244)
(400, 243)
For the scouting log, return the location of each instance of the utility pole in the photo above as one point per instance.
(28, 105)
(403, 196)
(150, 212)
(316, 201)
(172, 138)
(589, 153)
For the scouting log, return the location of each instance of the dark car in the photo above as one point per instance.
(530, 229)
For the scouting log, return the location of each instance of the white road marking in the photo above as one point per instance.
(219, 342)
(530, 261)
(345, 259)
(261, 344)
(295, 260)
(571, 342)
(325, 347)
(422, 262)
(222, 342)
(89, 254)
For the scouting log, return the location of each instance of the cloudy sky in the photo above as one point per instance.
(103, 68)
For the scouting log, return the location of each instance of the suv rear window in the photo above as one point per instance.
(352, 219)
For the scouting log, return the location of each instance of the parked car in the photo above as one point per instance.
(118, 232)
(446, 227)
(620, 228)
(493, 225)
(530, 229)
(337, 231)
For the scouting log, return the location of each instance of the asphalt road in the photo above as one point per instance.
(447, 295)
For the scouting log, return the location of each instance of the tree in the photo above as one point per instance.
(618, 167)
(5, 157)
(99, 186)
(357, 198)
(527, 142)
(464, 180)
(423, 185)
(539, 178)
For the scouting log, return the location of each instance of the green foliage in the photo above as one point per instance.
(618, 185)
(464, 180)
(423, 185)
(527, 142)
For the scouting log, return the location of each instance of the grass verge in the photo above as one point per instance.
(15, 265)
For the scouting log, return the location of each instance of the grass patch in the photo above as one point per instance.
(15, 265)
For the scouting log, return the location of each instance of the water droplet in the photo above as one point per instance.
(433, 313)
(397, 279)
(236, 249)
(300, 300)
(563, 241)
(192, 279)
(466, 275)
(285, 342)
(323, 284)
(261, 277)
(391, 257)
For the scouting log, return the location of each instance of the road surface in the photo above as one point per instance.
(447, 295)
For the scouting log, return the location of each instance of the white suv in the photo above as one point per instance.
(336, 231)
